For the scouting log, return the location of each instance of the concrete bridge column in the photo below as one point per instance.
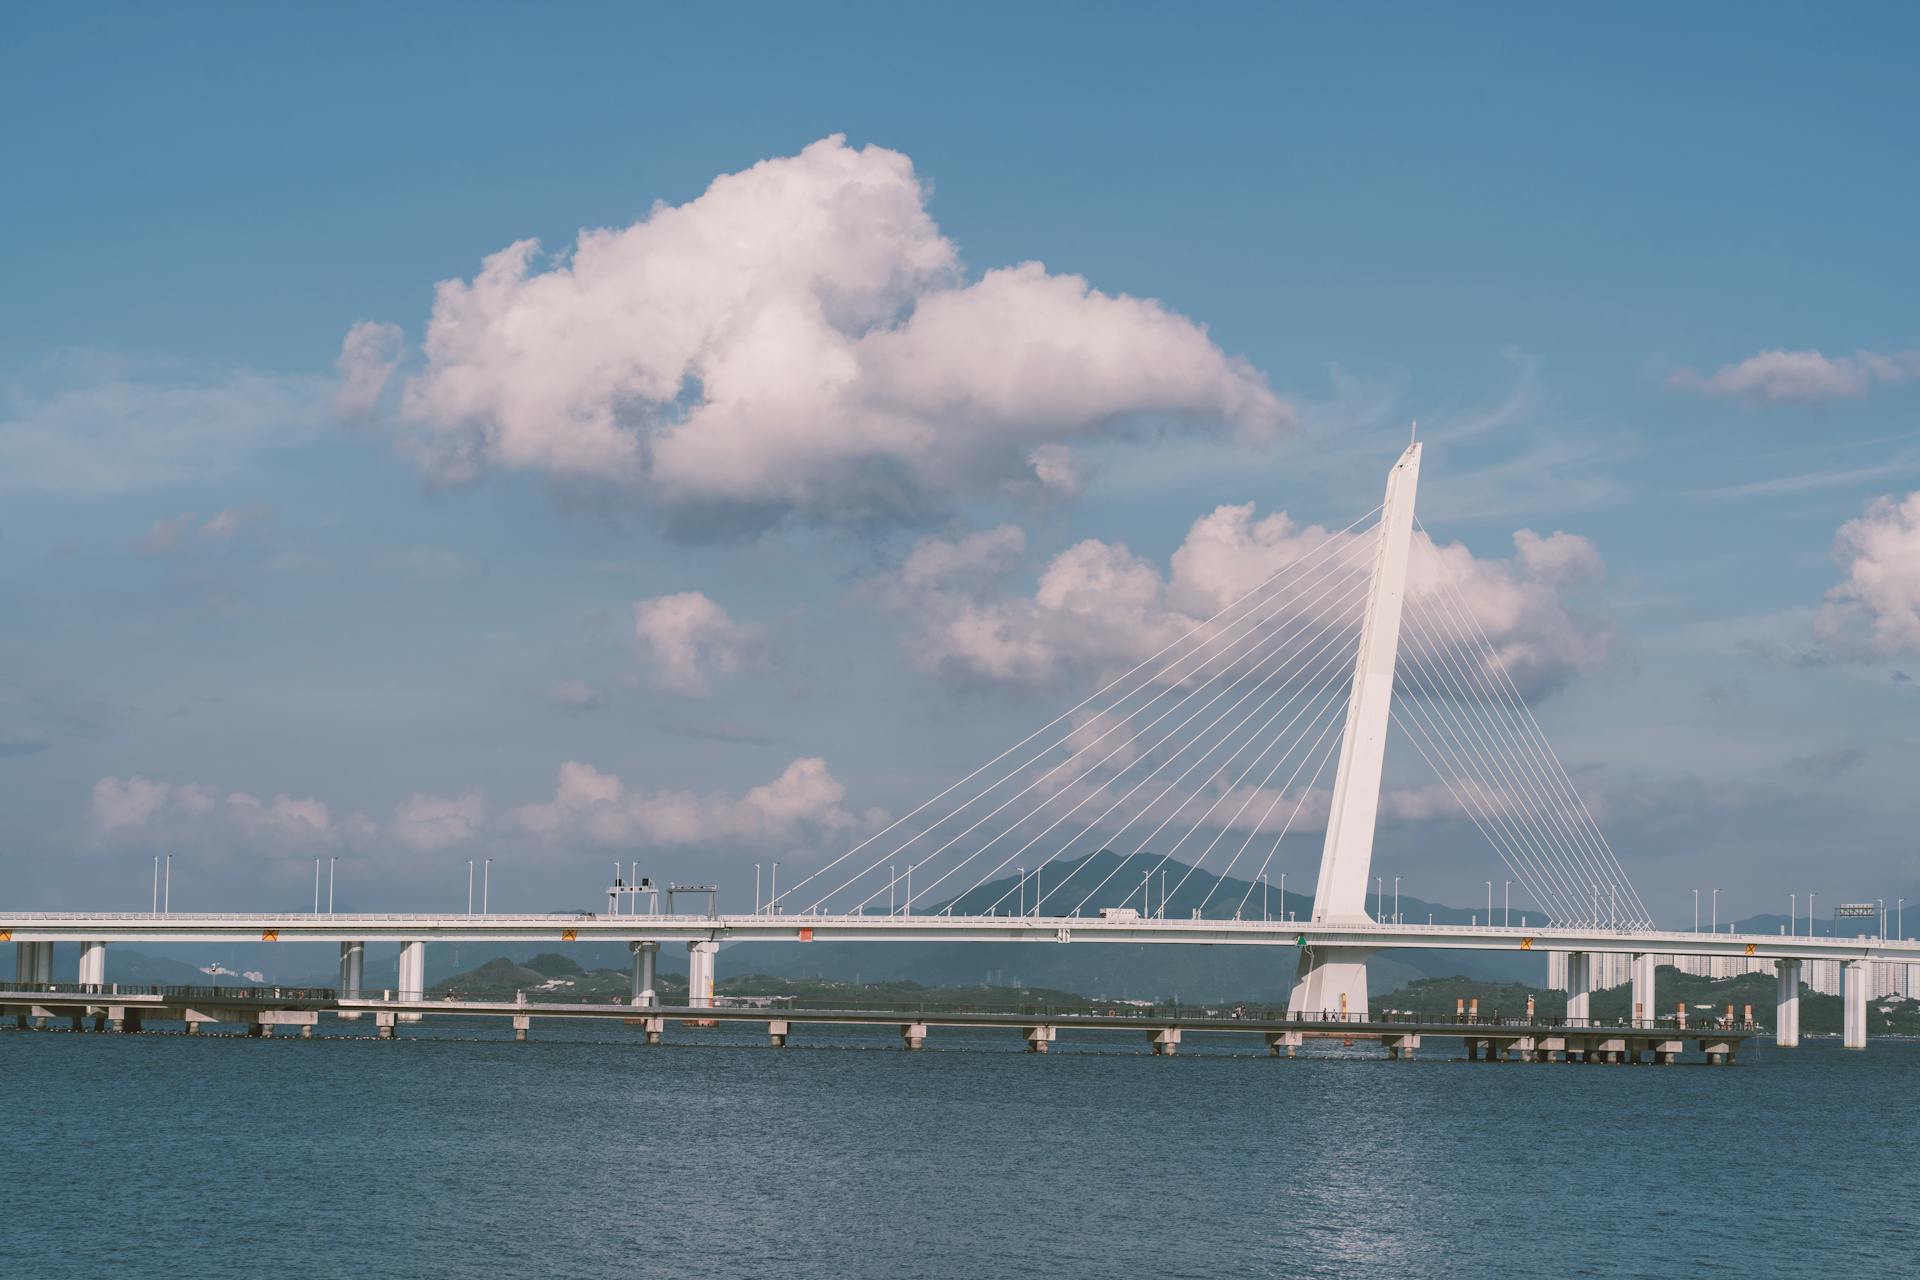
(1579, 988)
(1786, 1023)
(1644, 969)
(353, 958)
(413, 976)
(1853, 994)
(93, 964)
(646, 959)
(700, 966)
(33, 963)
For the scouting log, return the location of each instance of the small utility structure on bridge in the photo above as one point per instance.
(1303, 670)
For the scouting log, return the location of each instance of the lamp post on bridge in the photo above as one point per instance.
(1793, 914)
(1021, 873)
(1716, 912)
(1489, 904)
(1810, 897)
(486, 883)
(1506, 907)
(1696, 911)
(1396, 900)
(1283, 896)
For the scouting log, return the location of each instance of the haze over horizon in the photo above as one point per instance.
(684, 436)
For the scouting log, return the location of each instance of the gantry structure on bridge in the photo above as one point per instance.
(1207, 753)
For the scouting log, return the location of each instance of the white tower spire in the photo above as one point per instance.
(1332, 979)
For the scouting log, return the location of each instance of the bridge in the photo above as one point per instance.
(1219, 738)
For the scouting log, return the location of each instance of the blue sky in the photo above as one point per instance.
(1567, 244)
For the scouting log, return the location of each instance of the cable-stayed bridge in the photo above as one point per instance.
(1209, 752)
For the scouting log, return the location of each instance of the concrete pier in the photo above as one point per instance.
(1786, 1021)
(1853, 995)
(1579, 988)
(413, 975)
(913, 1036)
(777, 1032)
(1644, 969)
(646, 960)
(93, 964)
(700, 972)
(1165, 1041)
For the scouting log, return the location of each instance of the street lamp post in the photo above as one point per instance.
(316, 886)
(470, 886)
(1283, 895)
(1793, 914)
(486, 884)
(1716, 911)
(331, 863)
(1506, 907)
(1696, 911)
(1021, 872)
(1810, 898)
(1489, 902)
(1396, 899)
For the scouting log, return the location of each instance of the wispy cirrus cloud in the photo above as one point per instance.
(1782, 377)
(106, 427)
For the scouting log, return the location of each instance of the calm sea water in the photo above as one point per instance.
(585, 1154)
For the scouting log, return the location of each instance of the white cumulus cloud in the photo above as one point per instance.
(1779, 376)
(798, 339)
(690, 639)
(1098, 607)
(1876, 607)
(591, 807)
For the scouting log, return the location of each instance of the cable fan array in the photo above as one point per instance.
(1456, 701)
(1208, 750)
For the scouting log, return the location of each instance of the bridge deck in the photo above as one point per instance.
(265, 1008)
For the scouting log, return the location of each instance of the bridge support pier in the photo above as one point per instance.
(700, 967)
(383, 1021)
(33, 963)
(646, 959)
(656, 1029)
(1331, 980)
(93, 964)
(1853, 994)
(353, 958)
(1644, 970)
(1579, 988)
(1283, 1043)
(521, 1023)
(413, 975)
(1166, 1041)
(1038, 1038)
(1786, 1020)
(913, 1036)
(777, 1033)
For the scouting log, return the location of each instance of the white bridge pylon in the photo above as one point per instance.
(1336, 978)
(1209, 753)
